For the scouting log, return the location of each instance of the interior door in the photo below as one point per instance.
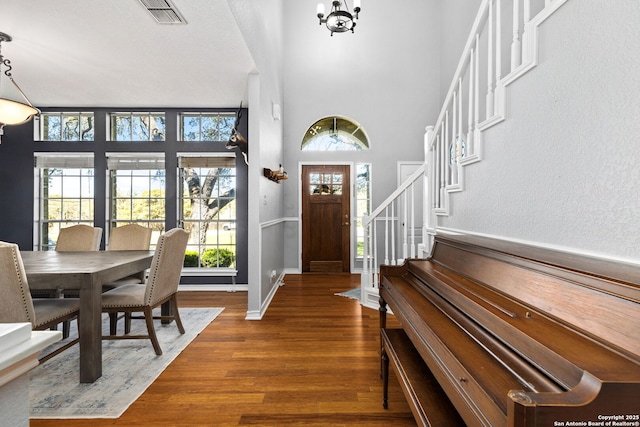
(325, 218)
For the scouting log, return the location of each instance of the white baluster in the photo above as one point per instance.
(413, 221)
(376, 271)
(438, 172)
(516, 46)
(405, 234)
(458, 147)
(498, 43)
(393, 233)
(445, 155)
(452, 141)
(490, 64)
(477, 95)
(443, 178)
(470, 150)
(386, 235)
(365, 280)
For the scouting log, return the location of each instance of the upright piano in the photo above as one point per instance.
(496, 333)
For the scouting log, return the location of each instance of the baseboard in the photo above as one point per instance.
(226, 287)
(258, 314)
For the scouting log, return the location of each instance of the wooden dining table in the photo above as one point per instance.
(87, 272)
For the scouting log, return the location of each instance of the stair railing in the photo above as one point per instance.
(474, 102)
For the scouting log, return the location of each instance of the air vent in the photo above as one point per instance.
(163, 11)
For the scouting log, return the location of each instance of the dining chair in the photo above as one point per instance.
(75, 238)
(130, 237)
(80, 237)
(16, 304)
(161, 286)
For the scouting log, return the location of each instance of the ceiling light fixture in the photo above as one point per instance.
(339, 20)
(13, 112)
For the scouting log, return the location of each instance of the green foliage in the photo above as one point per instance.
(191, 259)
(220, 257)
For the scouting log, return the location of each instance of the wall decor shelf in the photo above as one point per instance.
(275, 175)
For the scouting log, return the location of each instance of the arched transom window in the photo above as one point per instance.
(335, 133)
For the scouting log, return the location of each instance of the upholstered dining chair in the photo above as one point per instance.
(75, 238)
(79, 237)
(130, 237)
(16, 304)
(161, 286)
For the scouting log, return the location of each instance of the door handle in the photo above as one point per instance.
(346, 223)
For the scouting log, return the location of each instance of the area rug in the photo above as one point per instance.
(128, 368)
(351, 293)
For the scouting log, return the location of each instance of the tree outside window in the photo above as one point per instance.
(208, 210)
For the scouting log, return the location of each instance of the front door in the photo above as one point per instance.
(325, 218)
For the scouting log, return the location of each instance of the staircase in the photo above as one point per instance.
(502, 40)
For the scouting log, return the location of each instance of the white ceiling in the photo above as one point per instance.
(112, 53)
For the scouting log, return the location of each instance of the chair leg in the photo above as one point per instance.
(113, 323)
(127, 323)
(66, 329)
(176, 314)
(148, 316)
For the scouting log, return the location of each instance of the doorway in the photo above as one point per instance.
(326, 218)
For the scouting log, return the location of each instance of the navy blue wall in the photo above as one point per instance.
(17, 176)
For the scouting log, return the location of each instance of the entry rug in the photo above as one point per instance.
(128, 368)
(352, 293)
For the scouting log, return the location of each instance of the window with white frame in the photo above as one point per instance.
(65, 195)
(335, 133)
(138, 126)
(137, 183)
(363, 203)
(206, 126)
(65, 127)
(207, 191)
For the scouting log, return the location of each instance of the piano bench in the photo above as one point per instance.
(428, 401)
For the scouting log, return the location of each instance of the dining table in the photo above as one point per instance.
(86, 272)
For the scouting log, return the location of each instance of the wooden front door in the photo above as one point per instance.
(325, 218)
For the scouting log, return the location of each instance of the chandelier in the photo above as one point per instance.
(12, 112)
(339, 20)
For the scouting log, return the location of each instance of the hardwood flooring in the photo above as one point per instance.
(313, 360)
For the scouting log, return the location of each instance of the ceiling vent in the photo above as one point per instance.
(163, 11)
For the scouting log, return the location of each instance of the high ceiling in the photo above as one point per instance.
(112, 53)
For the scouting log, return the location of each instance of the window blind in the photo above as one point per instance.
(133, 161)
(63, 160)
(206, 161)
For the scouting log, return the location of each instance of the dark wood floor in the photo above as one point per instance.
(313, 360)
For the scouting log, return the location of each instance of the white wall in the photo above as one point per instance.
(385, 76)
(562, 170)
(457, 17)
(261, 25)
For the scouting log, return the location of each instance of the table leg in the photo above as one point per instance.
(90, 330)
(165, 310)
